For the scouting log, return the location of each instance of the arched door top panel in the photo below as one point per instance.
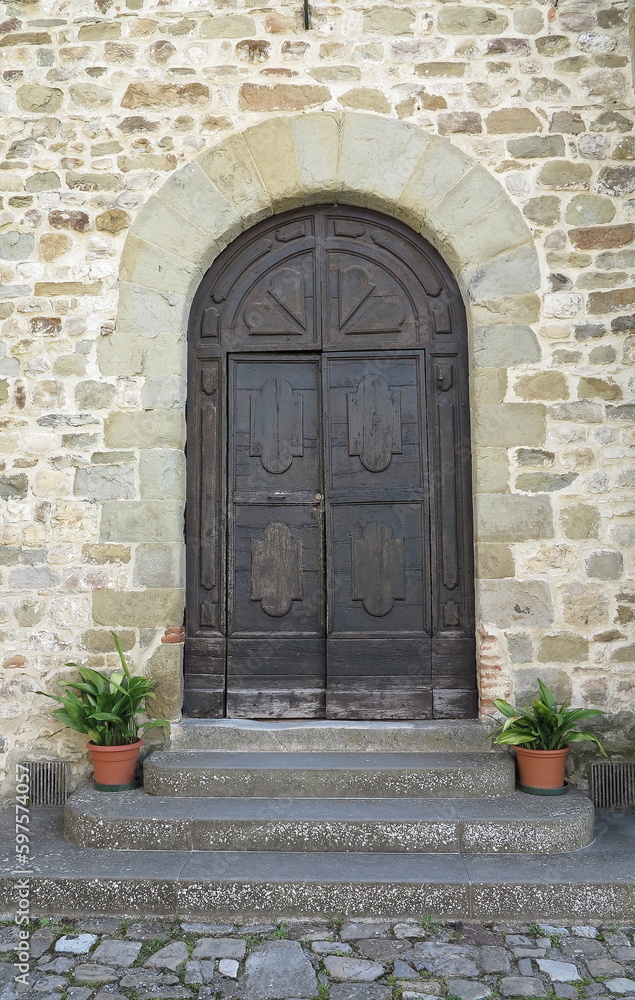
(329, 516)
(332, 278)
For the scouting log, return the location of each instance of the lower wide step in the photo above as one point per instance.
(330, 775)
(518, 824)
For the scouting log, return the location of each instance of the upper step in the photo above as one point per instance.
(332, 775)
(515, 824)
(330, 736)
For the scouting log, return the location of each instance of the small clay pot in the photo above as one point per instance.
(114, 765)
(541, 768)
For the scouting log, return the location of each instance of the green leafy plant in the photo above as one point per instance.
(544, 726)
(105, 708)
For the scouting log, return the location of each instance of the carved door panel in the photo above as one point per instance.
(275, 641)
(379, 622)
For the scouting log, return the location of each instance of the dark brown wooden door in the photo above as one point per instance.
(329, 525)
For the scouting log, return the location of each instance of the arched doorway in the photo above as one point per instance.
(329, 533)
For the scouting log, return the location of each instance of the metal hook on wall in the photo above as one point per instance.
(307, 15)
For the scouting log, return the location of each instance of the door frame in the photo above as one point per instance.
(206, 669)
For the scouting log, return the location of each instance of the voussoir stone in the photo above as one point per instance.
(277, 970)
(353, 968)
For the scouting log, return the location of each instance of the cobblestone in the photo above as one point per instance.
(297, 959)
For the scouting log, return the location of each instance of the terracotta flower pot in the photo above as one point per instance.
(541, 768)
(114, 766)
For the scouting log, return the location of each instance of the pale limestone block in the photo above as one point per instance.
(317, 140)
(521, 309)
(377, 157)
(145, 312)
(159, 224)
(145, 429)
(151, 266)
(159, 566)
(165, 666)
(151, 521)
(508, 425)
(190, 192)
(509, 603)
(502, 229)
(477, 194)
(441, 167)
(162, 474)
(119, 354)
(513, 273)
(231, 169)
(272, 147)
(160, 608)
(511, 517)
(490, 470)
(164, 355)
(495, 345)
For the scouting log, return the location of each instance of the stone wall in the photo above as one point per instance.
(103, 108)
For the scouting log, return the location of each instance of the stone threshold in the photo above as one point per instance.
(593, 884)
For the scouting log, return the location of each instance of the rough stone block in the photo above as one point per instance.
(461, 20)
(141, 521)
(604, 565)
(513, 518)
(508, 309)
(501, 230)
(138, 609)
(489, 385)
(512, 121)
(145, 429)
(542, 385)
(589, 210)
(580, 521)
(563, 647)
(565, 176)
(510, 424)
(141, 313)
(281, 97)
(513, 603)
(273, 150)
(536, 147)
(162, 474)
(388, 21)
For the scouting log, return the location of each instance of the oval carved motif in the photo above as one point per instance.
(276, 570)
(276, 425)
(378, 576)
(374, 422)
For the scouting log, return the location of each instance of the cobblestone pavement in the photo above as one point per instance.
(106, 958)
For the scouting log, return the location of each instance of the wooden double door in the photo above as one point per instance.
(329, 522)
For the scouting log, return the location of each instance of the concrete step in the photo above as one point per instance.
(594, 885)
(326, 735)
(331, 775)
(517, 824)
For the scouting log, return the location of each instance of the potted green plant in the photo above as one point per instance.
(105, 709)
(541, 736)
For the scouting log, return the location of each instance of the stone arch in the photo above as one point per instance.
(284, 162)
